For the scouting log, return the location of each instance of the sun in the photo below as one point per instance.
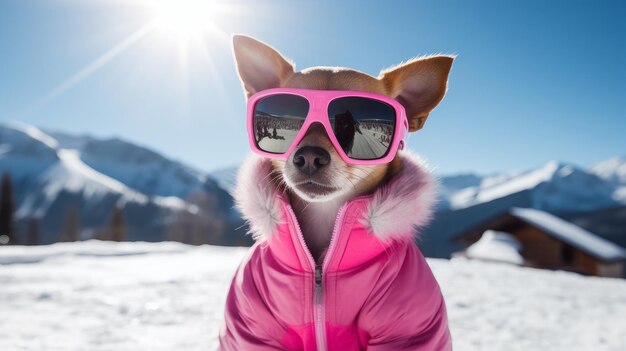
(191, 25)
(186, 17)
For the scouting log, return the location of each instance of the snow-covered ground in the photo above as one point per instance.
(167, 296)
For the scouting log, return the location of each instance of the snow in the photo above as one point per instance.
(613, 170)
(620, 194)
(496, 246)
(59, 169)
(23, 155)
(175, 203)
(135, 166)
(501, 186)
(36, 134)
(74, 175)
(165, 296)
(80, 176)
(140, 168)
(106, 296)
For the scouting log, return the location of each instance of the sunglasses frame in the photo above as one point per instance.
(319, 101)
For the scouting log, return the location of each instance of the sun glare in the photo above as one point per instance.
(187, 17)
(194, 24)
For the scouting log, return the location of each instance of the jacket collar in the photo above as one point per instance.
(392, 212)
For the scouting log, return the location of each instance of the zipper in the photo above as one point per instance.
(318, 314)
(319, 269)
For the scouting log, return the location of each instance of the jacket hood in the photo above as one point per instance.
(393, 211)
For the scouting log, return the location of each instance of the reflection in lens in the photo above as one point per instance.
(363, 127)
(277, 121)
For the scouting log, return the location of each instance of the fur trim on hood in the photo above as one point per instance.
(393, 211)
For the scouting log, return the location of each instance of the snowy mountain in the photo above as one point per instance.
(553, 187)
(137, 167)
(150, 173)
(169, 296)
(52, 173)
(613, 170)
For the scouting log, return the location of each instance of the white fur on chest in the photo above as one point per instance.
(317, 221)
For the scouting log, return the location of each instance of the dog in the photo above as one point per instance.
(335, 265)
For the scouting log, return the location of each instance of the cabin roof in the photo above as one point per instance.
(567, 232)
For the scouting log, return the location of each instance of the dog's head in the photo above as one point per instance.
(314, 171)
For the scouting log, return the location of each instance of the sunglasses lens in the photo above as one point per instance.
(364, 127)
(277, 120)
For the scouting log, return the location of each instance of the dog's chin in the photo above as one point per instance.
(312, 191)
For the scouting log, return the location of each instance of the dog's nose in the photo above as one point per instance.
(309, 159)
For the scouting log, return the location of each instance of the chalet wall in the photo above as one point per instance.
(539, 248)
(613, 270)
(543, 251)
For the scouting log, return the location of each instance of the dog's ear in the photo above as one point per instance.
(419, 85)
(259, 65)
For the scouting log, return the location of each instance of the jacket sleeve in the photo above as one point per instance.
(405, 310)
(248, 323)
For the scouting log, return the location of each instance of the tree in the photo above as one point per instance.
(117, 230)
(32, 237)
(7, 209)
(71, 227)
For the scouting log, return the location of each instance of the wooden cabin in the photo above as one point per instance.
(551, 243)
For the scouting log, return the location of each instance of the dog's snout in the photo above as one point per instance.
(309, 159)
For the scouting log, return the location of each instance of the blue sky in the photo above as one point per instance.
(533, 81)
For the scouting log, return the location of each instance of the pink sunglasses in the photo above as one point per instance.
(364, 128)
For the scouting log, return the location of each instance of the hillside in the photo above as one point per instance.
(168, 296)
(53, 173)
(555, 186)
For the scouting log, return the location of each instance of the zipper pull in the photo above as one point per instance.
(318, 285)
(318, 275)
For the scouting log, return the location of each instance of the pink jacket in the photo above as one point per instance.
(374, 290)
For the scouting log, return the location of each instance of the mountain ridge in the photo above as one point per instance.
(50, 177)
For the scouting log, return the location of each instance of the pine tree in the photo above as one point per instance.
(32, 237)
(71, 228)
(117, 230)
(7, 208)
